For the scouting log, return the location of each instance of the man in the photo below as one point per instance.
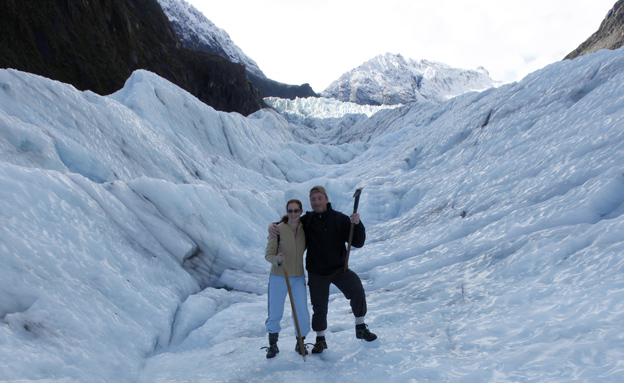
(326, 232)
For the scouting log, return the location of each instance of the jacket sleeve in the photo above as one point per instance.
(359, 232)
(270, 254)
(359, 235)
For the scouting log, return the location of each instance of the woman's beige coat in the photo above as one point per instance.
(292, 248)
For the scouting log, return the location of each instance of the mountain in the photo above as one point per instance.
(133, 226)
(198, 33)
(391, 79)
(97, 46)
(610, 34)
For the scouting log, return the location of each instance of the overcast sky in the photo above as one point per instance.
(315, 41)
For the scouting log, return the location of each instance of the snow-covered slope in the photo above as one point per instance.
(200, 34)
(391, 79)
(494, 234)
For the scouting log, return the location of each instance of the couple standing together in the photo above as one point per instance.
(324, 233)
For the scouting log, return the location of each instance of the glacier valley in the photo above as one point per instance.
(133, 229)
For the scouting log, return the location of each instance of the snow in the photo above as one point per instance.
(133, 228)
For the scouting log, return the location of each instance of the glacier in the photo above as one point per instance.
(133, 227)
(327, 119)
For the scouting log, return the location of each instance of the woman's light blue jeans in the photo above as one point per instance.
(277, 297)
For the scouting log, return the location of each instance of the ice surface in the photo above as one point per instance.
(133, 226)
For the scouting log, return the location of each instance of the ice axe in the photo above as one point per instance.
(304, 352)
(292, 304)
(356, 195)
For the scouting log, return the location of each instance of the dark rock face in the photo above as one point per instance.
(610, 35)
(271, 88)
(97, 44)
(200, 34)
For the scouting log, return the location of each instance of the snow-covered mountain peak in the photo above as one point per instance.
(200, 34)
(389, 61)
(392, 79)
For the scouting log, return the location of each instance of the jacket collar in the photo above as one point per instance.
(325, 213)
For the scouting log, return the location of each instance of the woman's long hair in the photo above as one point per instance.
(285, 217)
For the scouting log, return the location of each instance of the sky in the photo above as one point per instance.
(133, 228)
(315, 42)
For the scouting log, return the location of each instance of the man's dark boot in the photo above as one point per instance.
(272, 350)
(362, 332)
(320, 345)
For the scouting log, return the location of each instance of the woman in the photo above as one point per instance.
(286, 251)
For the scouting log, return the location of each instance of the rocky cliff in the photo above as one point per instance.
(610, 35)
(97, 44)
(198, 33)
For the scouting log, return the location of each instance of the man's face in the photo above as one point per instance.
(319, 201)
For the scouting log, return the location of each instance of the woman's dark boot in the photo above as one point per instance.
(272, 350)
(298, 347)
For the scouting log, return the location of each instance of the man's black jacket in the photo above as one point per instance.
(326, 236)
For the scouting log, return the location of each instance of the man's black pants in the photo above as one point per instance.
(348, 282)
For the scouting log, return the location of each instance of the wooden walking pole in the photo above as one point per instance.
(355, 207)
(292, 303)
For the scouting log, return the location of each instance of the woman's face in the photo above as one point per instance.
(294, 212)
